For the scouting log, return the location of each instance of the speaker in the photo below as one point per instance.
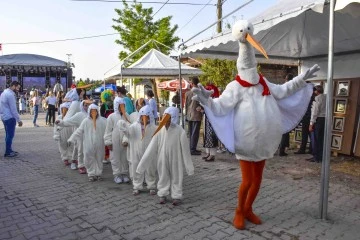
(8, 80)
(47, 82)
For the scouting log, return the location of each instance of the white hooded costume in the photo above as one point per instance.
(138, 137)
(113, 136)
(93, 142)
(73, 123)
(74, 99)
(170, 147)
(250, 120)
(62, 134)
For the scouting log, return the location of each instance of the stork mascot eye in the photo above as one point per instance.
(252, 114)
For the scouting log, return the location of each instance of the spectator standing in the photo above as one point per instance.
(305, 123)
(10, 116)
(22, 105)
(194, 117)
(51, 103)
(152, 103)
(317, 122)
(285, 139)
(36, 102)
(210, 139)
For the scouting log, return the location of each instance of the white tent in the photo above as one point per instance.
(298, 30)
(155, 64)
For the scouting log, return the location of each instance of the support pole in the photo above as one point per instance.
(181, 100)
(325, 167)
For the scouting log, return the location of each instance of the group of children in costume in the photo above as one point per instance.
(140, 151)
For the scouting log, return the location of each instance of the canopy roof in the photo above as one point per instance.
(292, 29)
(156, 64)
(24, 59)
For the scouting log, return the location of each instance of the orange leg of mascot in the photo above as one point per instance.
(251, 180)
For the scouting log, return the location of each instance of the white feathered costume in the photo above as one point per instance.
(249, 122)
(73, 123)
(170, 147)
(113, 136)
(138, 137)
(93, 142)
(62, 134)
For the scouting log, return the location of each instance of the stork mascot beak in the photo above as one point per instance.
(256, 45)
(166, 119)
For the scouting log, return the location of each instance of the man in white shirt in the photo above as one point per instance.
(317, 122)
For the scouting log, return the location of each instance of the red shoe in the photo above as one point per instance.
(82, 170)
(66, 162)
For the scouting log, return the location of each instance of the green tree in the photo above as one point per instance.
(136, 26)
(217, 71)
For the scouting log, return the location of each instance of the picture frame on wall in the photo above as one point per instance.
(298, 135)
(336, 141)
(340, 105)
(338, 124)
(342, 88)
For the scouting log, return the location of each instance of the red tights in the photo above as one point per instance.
(251, 180)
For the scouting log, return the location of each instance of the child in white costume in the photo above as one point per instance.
(138, 136)
(112, 138)
(62, 134)
(75, 122)
(170, 147)
(92, 130)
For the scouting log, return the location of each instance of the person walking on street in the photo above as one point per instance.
(194, 116)
(317, 122)
(36, 102)
(10, 116)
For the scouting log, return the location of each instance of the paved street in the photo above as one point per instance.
(42, 199)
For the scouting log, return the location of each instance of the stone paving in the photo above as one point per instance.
(42, 199)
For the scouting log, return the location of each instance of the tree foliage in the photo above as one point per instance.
(136, 26)
(217, 71)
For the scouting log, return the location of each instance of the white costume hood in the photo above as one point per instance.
(146, 111)
(72, 95)
(82, 107)
(65, 105)
(117, 102)
(93, 106)
(174, 112)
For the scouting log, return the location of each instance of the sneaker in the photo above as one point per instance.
(117, 179)
(176, 202)
(73, 166)
(66, 162)
(162, 200)
(82, 170)
(152, 192)
(126, 179)
(35, 125)
(136, 192)
(99, 178)
(12, 154)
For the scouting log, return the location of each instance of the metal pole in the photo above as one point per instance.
(325, 168)
(181, 100)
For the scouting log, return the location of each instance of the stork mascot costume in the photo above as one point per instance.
(252, 114)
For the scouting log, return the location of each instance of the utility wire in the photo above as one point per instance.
(194, 16)
(160, 8)
(61, 40)
(115, 1)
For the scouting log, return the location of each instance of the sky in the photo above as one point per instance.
(40, 20)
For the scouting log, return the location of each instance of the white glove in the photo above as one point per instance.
(310, 72)
(201, 94)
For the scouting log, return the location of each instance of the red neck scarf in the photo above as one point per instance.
(247, 84)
